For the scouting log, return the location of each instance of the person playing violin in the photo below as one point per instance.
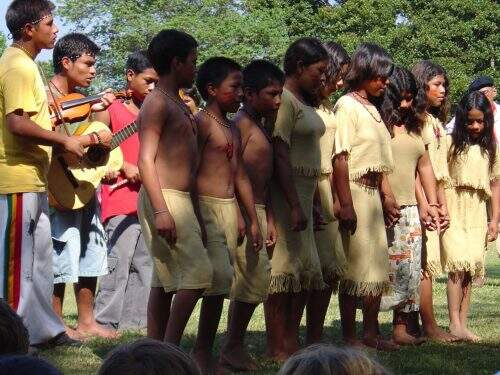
(123, 293)
(26, 138)
(80, 250)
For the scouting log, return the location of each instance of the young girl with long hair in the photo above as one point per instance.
(431, 104)
(295, 267)
(362, 156)
(405, 238)
(474, 179)
(328, 240)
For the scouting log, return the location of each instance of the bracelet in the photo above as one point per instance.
(98, 138)
(93, 139)
(435, 205)
(160, 212)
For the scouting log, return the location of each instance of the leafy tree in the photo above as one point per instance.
(462, 35)
(3, 43)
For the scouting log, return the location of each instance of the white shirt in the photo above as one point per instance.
(496, 121)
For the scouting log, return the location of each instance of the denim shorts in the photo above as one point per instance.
(79, 243)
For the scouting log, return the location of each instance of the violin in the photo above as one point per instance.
(77, 107)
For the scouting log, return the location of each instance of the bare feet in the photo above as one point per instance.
(277, 356)
(73, 334)
(355, 343)
(470, 336)
(463, 333)
(204, 361)
(238, 359)
(403, 338)
(380, 344)
(95, 329)
(439, 335)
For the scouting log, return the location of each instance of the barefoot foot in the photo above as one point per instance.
(354, 343)
(72, 333)
(204, 361)
(439, 335)
(470, 336)
(380, 344)
(96, 330)
(403, 338)
(238, 359)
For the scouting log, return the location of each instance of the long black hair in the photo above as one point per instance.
(401, 81)
(369, 61)
(337, 58)
(461, 138)
(306, 50)
(423, 72)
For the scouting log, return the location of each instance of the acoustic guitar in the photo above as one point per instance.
(72, 182)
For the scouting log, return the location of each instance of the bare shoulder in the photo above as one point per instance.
(154, 110)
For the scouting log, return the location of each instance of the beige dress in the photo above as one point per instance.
(434, 136)
(366, 140)
(295, 264)
(328, 240)
(464, 242)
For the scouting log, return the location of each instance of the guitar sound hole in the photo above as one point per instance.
(96, 154)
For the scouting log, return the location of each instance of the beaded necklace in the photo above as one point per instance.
(229, 145)
(185, 109)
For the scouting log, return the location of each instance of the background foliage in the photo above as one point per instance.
(3, 43)
(462, 35)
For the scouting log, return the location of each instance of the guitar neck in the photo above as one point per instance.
(123, 134)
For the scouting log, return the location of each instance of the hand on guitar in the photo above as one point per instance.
(105, 102)
(110, 176)
(73, 145)
(131, 172)
(106, 137)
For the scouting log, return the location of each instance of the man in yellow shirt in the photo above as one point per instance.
(26, 137)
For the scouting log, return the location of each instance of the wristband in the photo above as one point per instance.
(434, 205)
(98, 138)
(160, 212)
(93, 139)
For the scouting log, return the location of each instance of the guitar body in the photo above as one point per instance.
(72, 183)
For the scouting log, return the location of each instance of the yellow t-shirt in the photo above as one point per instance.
(300, 127)
(366, 140)
(326, 141)
(434, 135)
(23, 165)
(471, 169)
(407, 149)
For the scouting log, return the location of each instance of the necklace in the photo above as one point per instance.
(229, 145)
(379, 120)
(17, 45)
(258, 122)
(182, 106)
(57, 88)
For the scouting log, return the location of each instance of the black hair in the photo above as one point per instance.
(369, 61)
(214, 71)
(72, 46)
(14, 337)
(307, 50)
(138, 61)
(460, 136)
(168, 44)
(193, 93)
(261, 73)
(148, 356)
(337, 57)
(26, 365)
(423, 72)
(400, 81)
(21, 12)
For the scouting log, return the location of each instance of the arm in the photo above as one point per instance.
(283, 168)
(495, 210)
(347, 215)
(20, 124)
(196, 207)
(153, 121)
(272, 234)
(390, 206)
(426, 187)
(336, 203)
(245, 196)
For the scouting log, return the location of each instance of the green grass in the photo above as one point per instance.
(430, 358)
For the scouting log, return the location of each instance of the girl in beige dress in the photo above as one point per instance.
(362, 156)
(328, 239)
(474, 180)
(431, 106)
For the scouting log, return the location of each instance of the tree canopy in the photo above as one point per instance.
(3, 42)
(462, 35)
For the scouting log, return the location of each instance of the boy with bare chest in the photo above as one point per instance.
(221, 177)
(262, 85)
(168, 206)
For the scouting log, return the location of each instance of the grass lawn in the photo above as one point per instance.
(430, 358)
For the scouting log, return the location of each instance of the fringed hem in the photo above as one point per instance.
(341, 151)
(326, 171)
(306, 171)
(363, 288)
(291, 284)
(433, 269)
(455, 266)
(331, 279)
(355, 174)
(484, 191)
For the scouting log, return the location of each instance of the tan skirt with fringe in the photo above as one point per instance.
(366, 250)
(295, 264)
(329, 241)
(464, 242)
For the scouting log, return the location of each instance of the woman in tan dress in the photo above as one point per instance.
(362, 157)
